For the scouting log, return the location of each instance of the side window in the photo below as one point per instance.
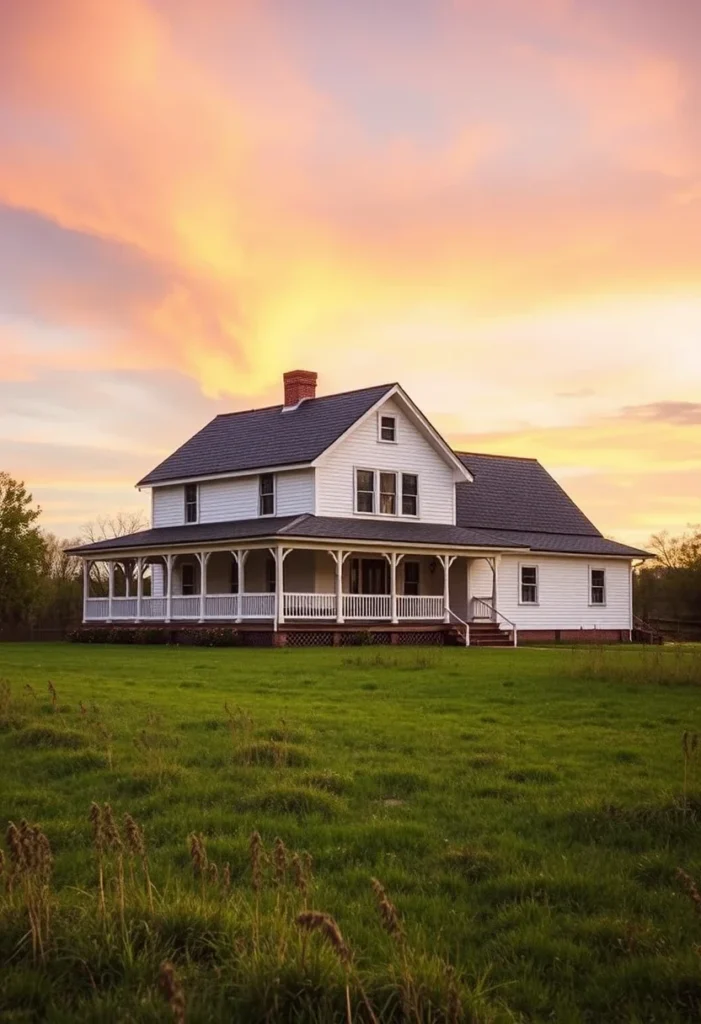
(410, 494)
(411, 578)
(266, 499)
(364, 490)
(188, 578)
(529, 584)
(388, 428)
(597, 588)
(191, 510)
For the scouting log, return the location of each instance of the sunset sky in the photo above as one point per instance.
(497, 204)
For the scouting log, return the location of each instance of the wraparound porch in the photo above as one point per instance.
(282, 585)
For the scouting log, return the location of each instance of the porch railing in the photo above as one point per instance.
(482, 608)
(154, 607)
(221, 606)
(367, 606)
(257, 606)
(309, 606)
(97, 608)
(410, 606)
(185, 607)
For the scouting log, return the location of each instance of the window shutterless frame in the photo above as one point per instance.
(187, 579)
(528, 584)
(597, 587)
(191, 503)
(386, 492)
(266, 494)
(387, 428)
(410, 494)
(365, 490)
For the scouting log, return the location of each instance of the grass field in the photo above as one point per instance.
(526, 812)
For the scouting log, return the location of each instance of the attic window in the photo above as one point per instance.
(388, 429)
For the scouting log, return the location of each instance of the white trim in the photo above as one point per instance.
(521, 567)
(186, 521)
(387, 416)
(284, 468)
(266, 515)
(398, 475)
(600, 568)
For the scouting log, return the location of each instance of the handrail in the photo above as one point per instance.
(502, 616)
(465, 624)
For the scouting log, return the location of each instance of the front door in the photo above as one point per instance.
(374, 576)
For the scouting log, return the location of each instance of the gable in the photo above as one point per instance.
(362, 448)
(517, 494)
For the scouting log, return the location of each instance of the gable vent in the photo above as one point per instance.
(299, 384)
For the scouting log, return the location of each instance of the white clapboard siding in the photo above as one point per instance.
(167, 506)
(237, 498)
(479, 578)
(295, 492)
(335, 479)
(563, 593)
(157, 580)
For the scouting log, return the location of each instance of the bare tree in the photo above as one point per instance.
(106, 528)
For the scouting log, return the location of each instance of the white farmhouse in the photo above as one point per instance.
(326, 515)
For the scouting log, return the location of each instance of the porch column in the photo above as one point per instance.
(203, 558)
(339, 558)
(394, 560)
(139, 586)
(170, 559)
(241, 555)
(495, 584)
(110, 589)
(280, 554)
(447, 561)
(86, 587)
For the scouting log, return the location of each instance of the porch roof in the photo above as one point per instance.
(348, 530)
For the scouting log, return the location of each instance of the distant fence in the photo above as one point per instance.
(677, 629)
(33, 634)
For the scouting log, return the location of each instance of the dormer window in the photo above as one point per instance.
(191, 511)
(266, 495)
(388, 429)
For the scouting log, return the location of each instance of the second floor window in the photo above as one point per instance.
(388, 494)
(388, 428)
(365, 490)
(598, 586)
(529, 584)
(410, 494)
(191, 511)
(266, 499)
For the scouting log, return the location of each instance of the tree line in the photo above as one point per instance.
(42, 585)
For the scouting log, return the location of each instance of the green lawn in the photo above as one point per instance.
(524, 810)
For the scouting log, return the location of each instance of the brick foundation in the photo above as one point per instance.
(573, 636)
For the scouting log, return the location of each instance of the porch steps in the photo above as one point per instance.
(484, 634)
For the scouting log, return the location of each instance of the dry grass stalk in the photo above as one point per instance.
(136, 844)
(31, 863)
(388, 912)
(690, 744)
(454, 1012)
(113, 842)
(28, 688)
(98, 839)
(689, 886)
(54, 696)
(226, 878)
(213, 873)
(257, 853)
(315, 921)
(280, 861)
(173, 991)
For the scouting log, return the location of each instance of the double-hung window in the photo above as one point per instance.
(266, 494)
(597, 586)
(529, 584)
(388, 494)
(388, 428)
(365, 490)
(191, 510)
(410, 494)
(234, 580)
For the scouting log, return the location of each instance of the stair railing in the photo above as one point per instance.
(500, 615)
(465, 624)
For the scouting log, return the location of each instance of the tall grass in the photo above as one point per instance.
(657, 666)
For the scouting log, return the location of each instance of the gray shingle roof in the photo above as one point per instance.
(239, 441)
(347, 530)
(516, 494)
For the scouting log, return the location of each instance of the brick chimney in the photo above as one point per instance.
(299, 384)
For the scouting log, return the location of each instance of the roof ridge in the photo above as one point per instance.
(491, 455)
(317, 398)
